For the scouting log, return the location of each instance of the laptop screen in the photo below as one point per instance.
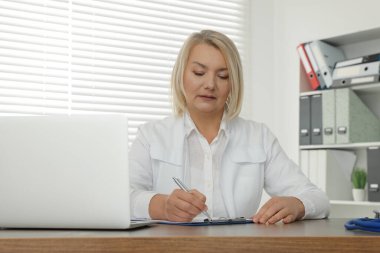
(64, 171)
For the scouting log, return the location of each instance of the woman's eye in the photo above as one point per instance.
(198, 73)
(224, 77)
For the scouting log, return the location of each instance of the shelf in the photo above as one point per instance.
(371, 88)
(310, 93)
(341, 146)
(354, 203)
(355, 37)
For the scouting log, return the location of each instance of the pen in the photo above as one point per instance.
(186, 189)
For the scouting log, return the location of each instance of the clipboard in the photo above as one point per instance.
(207, 222)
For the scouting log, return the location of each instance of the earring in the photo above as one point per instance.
(227, 107)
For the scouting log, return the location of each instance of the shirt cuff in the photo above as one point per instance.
(141, 204)
(317, 204)
(309, 206)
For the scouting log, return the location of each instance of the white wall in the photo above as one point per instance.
(278, 26)
(260, 71)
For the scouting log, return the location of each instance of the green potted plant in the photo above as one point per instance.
(359, 181)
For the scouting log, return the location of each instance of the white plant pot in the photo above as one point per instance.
(358, 194)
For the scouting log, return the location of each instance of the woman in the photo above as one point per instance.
(226, 160)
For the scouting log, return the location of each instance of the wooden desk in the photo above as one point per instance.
(303, 236)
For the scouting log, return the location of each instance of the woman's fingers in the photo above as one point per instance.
(184, 206)
(287, 209)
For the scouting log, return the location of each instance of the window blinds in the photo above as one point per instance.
(93, 57)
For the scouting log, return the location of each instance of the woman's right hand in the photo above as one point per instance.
(179, 206)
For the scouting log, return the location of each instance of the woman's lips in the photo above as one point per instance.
(207, 97)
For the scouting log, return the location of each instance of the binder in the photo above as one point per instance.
(358, 60)
(346, 82)
(304, 136)
(373, 176)
(328, 117)
(314, 65)
(354, 121)
(359, 70)
(316, 119)
(326, 56)
(312, 77)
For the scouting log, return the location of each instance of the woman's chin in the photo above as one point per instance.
(209, 110)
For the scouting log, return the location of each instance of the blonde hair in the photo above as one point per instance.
(231, 55)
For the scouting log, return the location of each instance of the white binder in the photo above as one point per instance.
(345, 82)
(328, 117)
(358, 60)
(359, 70)
(326, 56)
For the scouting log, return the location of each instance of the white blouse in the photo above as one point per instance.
(232, 171)
(203, 166)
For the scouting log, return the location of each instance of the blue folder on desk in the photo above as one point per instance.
(206, 222)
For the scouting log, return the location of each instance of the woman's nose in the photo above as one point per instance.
(210, 82)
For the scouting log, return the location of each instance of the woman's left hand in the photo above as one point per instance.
(287, 209)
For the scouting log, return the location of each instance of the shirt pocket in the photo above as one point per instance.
(165, 165)
(248, 161)
(157, 152)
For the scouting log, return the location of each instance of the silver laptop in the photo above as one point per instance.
(65, 172)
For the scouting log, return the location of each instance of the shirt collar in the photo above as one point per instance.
(190, 125)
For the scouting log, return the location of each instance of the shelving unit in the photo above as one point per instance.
(350, 209)
(364, 89)
(354, 203)
(351, 146)
(354, 45)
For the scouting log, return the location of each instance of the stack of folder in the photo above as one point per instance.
(361, 70)
(326, 66)
(319, 59)
(336, 116)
